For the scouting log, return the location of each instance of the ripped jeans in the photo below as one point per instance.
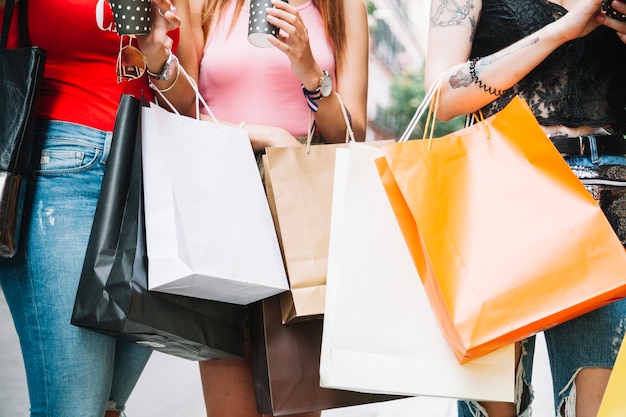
(70, 371)
(588, 341)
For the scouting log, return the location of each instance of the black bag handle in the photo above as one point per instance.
(22, 24)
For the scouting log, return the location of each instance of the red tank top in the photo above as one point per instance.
(80, 84)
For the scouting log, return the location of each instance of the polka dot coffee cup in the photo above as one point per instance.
(258, 26)
(132, 17)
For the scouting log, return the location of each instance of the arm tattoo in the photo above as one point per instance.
(507, 51)
(477, 63)
(462, 78)
(451, 12)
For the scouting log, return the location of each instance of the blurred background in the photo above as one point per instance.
(398, 41)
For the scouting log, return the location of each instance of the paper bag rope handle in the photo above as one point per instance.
(432, 93)
(344, 112)
(199, 98)
(432, 97)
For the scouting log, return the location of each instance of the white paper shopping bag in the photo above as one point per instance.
(380, 334)
(209, 230)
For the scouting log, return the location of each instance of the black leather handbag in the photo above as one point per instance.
(21, 72)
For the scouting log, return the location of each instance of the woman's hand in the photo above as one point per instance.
(168, 15)
(262, 136)
(293, 40)
(580, 20)
(448, 54)
(155, 45)
(617, 25)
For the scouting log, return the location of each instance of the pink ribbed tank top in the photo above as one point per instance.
(242, 82)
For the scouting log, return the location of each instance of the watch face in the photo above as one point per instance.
(326, 86)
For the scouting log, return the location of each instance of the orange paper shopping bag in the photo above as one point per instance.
(506, 239)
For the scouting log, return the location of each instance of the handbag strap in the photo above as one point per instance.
(8, 12)
(22, 24)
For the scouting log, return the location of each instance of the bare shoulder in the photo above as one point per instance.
(355, 13)
(196, 6)
(354, 5)
(452, 13)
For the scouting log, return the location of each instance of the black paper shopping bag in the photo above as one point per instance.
(112, 296)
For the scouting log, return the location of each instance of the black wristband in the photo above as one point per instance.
(476, 80)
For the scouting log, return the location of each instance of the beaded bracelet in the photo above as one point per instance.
(475, 79)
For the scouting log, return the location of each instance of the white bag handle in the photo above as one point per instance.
(421, 109)
(432, 98)
(199, 98)
(194, 86)
(344, 112)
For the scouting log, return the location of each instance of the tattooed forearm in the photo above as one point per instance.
(524, 43)
(462, 78)
(451, 12)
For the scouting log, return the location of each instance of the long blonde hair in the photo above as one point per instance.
(332, 12)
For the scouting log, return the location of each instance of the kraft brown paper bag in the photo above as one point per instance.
(299, 185)
(301, 182)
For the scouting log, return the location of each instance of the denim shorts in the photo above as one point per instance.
(593, 339)
(70, 371)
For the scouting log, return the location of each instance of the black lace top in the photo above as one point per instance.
(583, 83)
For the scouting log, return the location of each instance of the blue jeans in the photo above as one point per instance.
(70, 371)
(588, 341)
